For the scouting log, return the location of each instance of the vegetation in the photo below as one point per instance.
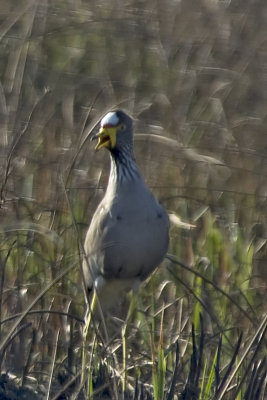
(192, 73)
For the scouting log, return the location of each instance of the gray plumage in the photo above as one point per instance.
(129, 233)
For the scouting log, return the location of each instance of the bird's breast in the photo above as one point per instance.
(133, 238)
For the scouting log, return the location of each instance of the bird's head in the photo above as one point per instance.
(115, 132)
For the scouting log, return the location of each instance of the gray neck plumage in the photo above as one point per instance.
(123, 166)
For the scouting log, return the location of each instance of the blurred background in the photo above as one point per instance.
(193, 75)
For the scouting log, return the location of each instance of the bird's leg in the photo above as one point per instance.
(88, 318)
(124, 357)
(131, 309)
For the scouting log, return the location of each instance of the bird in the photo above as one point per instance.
(128, 236)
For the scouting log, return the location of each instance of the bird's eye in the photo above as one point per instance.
(121, 127)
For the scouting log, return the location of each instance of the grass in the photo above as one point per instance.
(192, 75)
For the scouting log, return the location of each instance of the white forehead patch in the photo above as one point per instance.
(110, 119)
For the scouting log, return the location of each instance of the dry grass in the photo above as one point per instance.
(192, 74)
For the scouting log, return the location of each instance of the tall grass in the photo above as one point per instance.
(192, 75)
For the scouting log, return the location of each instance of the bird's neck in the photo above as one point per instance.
(124, 169)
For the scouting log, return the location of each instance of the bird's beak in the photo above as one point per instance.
(106, 137)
